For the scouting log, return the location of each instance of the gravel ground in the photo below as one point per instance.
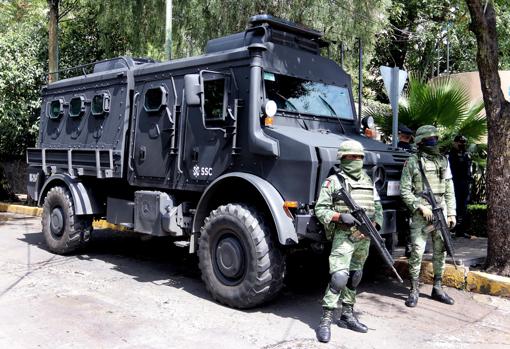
(129, 292)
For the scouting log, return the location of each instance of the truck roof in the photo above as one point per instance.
(266, 28)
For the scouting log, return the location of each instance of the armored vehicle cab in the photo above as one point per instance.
(224, 152)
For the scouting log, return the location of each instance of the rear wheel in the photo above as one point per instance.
(240, 265)
(63, 231)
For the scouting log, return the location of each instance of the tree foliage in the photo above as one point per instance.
(418, 34)
(408, 33)
(22, 64)
(197, 21)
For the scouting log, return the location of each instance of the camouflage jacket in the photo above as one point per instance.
(437, 170)
(325, 207)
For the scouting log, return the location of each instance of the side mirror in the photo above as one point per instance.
(192, 89)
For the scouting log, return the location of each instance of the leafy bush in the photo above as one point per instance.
(477, 220)
(21, 76)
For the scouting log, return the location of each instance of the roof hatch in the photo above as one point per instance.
(266, 28)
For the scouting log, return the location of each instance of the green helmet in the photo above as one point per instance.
(425, 132)
(349, 147)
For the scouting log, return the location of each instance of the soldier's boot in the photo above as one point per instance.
(324, 329)
(350, 321)
(439, 294)
(414, 294)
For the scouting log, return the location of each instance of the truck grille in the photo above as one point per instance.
(400, 158)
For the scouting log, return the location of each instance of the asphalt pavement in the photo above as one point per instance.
(126, 291)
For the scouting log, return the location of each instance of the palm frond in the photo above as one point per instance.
(441, 102)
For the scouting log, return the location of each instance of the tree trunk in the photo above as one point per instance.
(53, 40)
(483, 25)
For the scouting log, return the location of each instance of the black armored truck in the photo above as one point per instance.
(223, 152)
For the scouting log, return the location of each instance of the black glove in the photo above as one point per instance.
(347, 218)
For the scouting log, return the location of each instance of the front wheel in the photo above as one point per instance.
(240, 265)
(63, 231)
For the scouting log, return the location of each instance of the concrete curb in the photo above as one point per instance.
(26, 210)
(461, 278)
(37, 212)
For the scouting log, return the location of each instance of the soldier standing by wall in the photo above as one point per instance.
(460, 163)
(436, 169)
(350, 248)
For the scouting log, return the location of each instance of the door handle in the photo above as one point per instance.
(142, 152)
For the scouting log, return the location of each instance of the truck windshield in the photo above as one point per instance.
(303, 96)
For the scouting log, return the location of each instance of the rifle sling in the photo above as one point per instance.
(341, 179)
(425, 181)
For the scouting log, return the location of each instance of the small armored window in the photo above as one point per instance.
(76, 107)
(56, 108)
(155, 99)
(214, 99)
(100, 104)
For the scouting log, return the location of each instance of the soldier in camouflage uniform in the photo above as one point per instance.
(350, 247)
(437, 170)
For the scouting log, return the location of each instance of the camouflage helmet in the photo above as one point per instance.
(349, 147)
(425, 132)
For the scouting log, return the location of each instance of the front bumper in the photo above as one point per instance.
(308, 226)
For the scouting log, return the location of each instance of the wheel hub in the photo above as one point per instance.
(230, 257)
(57, 221)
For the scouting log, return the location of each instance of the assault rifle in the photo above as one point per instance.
(365, 226)
(439, 222)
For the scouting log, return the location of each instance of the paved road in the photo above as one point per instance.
(124, 292)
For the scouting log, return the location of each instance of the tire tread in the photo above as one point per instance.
(78, 232)
(270, 262)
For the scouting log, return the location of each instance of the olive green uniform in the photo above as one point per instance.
(438, 173)
(347, 253)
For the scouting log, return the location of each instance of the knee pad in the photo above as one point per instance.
(338, 281)
(354, 279)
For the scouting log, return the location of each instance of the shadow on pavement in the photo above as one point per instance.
(11, 219)
(159, 261)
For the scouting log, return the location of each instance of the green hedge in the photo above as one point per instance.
(477, 220)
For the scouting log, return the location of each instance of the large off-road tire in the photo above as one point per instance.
(63, 231)
(240, 265)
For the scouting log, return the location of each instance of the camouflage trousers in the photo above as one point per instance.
(345, 255)
(418, 242)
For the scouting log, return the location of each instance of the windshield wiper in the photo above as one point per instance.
(326, 103)
(299, 113)
(287, 101)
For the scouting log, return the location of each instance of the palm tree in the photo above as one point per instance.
(441, 102)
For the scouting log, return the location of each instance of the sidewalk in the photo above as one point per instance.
(469, 252)
(470, 256)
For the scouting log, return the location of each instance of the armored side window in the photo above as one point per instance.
(155, 99)
(215, 99)
(100, 104)
(76, 107)
(56, 108)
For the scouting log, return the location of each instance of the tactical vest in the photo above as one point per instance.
(435, 175)
(362, 192)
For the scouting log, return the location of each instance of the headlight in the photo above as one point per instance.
(270, 108)
(368, 122)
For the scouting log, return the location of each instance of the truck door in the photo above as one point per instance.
(154, 132)
(209, 130)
